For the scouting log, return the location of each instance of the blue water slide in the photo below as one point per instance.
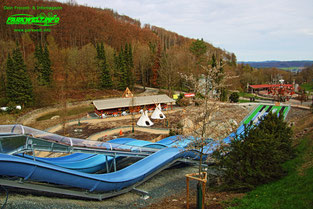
(89, 163)
(42, 172)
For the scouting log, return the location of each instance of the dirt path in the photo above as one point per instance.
(31, 116)
(98, 120)
(126, 129)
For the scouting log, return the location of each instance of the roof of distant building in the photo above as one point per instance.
(261, 86)
(105, 104)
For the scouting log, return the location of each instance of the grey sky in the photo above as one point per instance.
(254, 30)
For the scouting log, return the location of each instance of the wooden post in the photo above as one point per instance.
(203, 193)
(202, 178)
(187, 184)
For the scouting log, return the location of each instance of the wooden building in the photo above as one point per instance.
(124, 106)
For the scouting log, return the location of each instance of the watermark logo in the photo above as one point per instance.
(26, 19)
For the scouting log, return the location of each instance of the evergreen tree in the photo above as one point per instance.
(124, 66)
(47, 71)
(234, 97)
(130, 66)
(256, 157)
(105, 77)
(2, 85)
(19, 86)
(123, 83)
(101, 52)
(43, 65)
(98, 51)
(130, 56)
(198, 48)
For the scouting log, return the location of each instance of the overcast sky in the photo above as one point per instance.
(255, 30)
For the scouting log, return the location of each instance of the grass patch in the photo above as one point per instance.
(293, 191)
(246, 95)
(70, 112)
(246, 101)
(307, 86)
(249, 95)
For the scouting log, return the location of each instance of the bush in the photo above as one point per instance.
(183, 102)
(3, 102)
(223, 96)
(234, 97)
(256, 157)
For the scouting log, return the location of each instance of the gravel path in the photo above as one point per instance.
(126, 129)
(98, 120)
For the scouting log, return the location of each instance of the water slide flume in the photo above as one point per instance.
(110, 183)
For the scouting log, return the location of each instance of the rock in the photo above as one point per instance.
(174, 200)
(55, 117)
(233, 122)
(145, 197)
(188, 125)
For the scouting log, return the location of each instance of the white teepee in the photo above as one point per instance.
(144, 120)
(157, 114)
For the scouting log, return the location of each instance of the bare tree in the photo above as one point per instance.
(208, 85)
(168, 71)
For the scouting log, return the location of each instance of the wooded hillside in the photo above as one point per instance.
(133, 53)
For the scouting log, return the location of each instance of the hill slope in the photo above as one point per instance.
(280, 64)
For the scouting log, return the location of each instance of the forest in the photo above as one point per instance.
(94, 49)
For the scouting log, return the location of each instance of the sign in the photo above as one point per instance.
(189, 95)
(175, 96)
(26, 19)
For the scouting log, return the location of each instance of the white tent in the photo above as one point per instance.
(144, 120)
(157, 114)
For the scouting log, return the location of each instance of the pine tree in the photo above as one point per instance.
(43, 65)
(130, 66)
(19, 86)
(124, 67)
(105, 77)
(122, 71)
(47, 71)
(106, 80)
(256, 156)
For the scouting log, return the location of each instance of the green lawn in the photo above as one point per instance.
(307, 86)
(293, 191)
(246, 95)
(288, 68)
(249, 95)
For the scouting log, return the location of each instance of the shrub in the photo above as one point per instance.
(183, 102)
(223, 95)
(3, 101)
(234, 97)
(256, 157)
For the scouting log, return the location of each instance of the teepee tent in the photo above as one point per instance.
(144, 120)
(157, 114)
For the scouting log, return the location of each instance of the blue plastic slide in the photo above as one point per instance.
(38, 171)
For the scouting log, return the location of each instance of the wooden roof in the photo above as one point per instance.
(106, 104)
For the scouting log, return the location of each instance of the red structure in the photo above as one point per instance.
(280, 92)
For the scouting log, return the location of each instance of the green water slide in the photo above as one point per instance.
(247, 121)
(277, 109)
